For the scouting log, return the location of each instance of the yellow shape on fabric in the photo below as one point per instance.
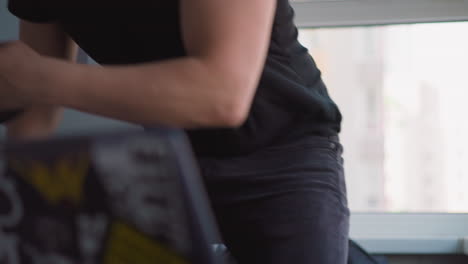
(129, 246)
(62, 181)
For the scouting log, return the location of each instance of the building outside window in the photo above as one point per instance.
(403, 91)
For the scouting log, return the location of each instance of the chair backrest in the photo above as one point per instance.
(119, 198)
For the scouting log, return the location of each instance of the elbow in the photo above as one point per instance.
(231, 113)
(230, 105)
(233, 108)
(233, 117)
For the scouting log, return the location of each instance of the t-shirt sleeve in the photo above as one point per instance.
(32, 10)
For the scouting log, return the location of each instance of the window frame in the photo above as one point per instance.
(394, 233)
(339, 13)
(411, 233)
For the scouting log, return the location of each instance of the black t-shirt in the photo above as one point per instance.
(291, 100)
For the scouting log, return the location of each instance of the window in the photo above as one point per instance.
(349, 31)
(403, 91)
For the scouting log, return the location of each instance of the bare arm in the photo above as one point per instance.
(226, 43)
(40, 120)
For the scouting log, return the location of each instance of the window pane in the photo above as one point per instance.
(403, 91)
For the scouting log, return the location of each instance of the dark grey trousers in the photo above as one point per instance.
(285, 204)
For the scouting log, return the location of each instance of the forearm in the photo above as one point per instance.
(180, 92)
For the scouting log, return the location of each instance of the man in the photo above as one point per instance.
(231, 73)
